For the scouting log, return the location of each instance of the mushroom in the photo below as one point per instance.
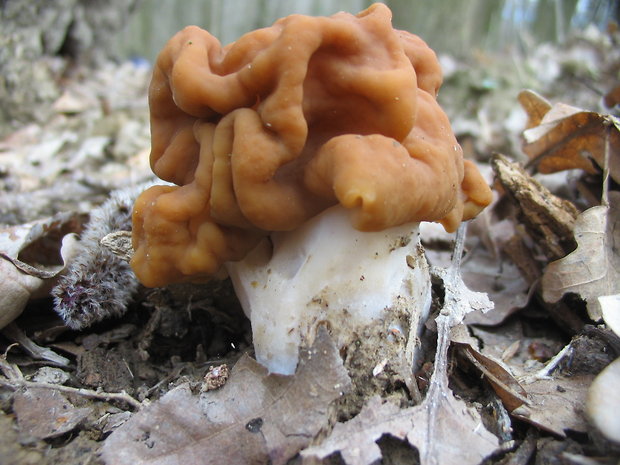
(307, 151)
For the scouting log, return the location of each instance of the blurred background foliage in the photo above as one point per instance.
(449, 26)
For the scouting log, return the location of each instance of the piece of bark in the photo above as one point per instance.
(548, 219)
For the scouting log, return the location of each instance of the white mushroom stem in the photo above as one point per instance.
(328, 272)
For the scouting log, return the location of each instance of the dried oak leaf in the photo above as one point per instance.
(593, 269)
(566, 137)
(556, 404)
(45, 413)
(254, 418)
(464, 439)
(501, 280)
(499, 377)
(551, 402)
(444, 429)
(30, 255)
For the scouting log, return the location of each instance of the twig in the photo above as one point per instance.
(119, 396)
(13, 332)
(545, 372)
(604, 195)
(14, 379)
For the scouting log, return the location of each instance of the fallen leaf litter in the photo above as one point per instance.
(527, 388)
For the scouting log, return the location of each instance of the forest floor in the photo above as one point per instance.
(537, 370)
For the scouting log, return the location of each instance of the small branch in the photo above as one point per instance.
(545, 372)
(604, 196)
(13, 332)
(118, 396)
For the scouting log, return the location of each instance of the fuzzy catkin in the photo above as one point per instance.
(98, 284)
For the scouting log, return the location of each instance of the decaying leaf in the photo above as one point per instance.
(444, 429)
(593, 269)
(30, 255)
(556, 404)
(546, 398)
(464, 439)
(446, 426)
(535, 106)
(253, 418)
(503, 382)
(603, 401)
(356, 439)
(15, 291)
(567, 137)
(501, 280)
(46, 413)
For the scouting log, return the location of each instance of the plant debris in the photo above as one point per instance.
(135, 375)
(279, 415)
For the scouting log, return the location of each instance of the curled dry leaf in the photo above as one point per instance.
(552, 403)
(503, 382)
(30, 255)
(15, 291)
(593, 269)
(253, 418)
(566, 137)
(556, 404)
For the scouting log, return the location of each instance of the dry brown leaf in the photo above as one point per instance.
(253, 418)
(568, 137)
(593, 269)
(535, 106)
(464, 439)
(556, 404)
(45, 413)
(356, 438)
(444, 429)
(544, 398)
(30, 255)
(449, 432)
(446, 432)
(501, 280)
(553, 404)
(503, 382)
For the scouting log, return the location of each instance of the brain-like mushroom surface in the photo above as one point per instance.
(265, 133)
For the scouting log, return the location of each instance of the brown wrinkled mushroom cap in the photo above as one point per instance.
(265, 133)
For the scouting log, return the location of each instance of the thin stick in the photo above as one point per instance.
(604, 196)
(119, 396)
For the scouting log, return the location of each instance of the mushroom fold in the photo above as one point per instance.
(266, 133)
